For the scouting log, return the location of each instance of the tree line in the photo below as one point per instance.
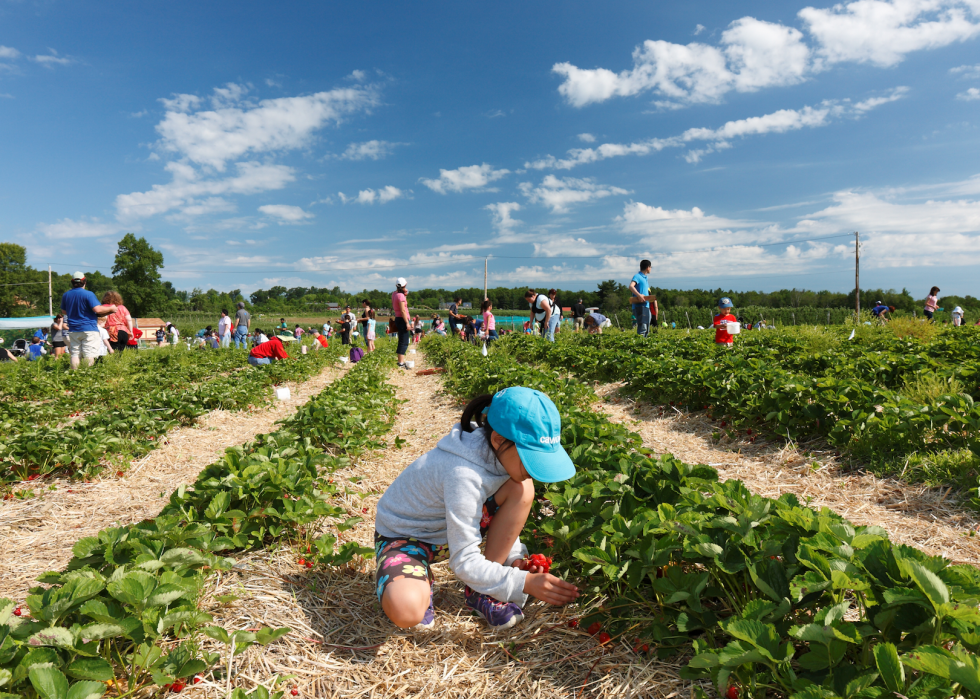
(137, 265)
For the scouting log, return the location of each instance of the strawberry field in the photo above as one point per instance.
(765, 598)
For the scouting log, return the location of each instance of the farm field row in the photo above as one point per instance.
(124, 613)
(79, 423)
(885, 402)
(772, 598)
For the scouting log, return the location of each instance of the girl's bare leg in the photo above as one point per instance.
(405, 601)
(514, 501)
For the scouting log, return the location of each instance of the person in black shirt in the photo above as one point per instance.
(578, 314)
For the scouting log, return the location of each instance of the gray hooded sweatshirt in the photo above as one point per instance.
(439, 499)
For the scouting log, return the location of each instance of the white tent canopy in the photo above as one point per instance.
(31, 323)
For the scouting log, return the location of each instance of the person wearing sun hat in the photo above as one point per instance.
(721, 321)
(477, 482)
(399, 303)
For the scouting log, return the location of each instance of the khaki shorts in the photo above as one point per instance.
(579, 323)
(86, 344)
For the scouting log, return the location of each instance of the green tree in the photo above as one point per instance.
(13, 271)
(136, 273)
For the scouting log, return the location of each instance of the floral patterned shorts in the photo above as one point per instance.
(410, 558)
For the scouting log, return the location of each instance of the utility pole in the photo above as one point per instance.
(857, 276)
(485, 262)
(50, 303)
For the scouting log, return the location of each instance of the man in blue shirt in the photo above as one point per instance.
(639, 290)
(41, 334)
(82, 309)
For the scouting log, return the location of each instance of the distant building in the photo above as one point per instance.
(331, 306)
(466, 304)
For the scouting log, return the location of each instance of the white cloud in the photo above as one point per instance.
(560, 194)
(753, 54)
(971, 94)
(9, 52)
(374, 150)
(187, 185)
(202, 207)
(52, 59)
(467, 177)
(586, 138)
(698, 29)
(286, 213)
(502, 219)
(882, 32)
(638, 217)
(381, 196)
(780, 121)
(68, 229)
(234, 127)
(968, 72)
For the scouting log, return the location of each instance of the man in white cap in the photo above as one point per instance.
(82, 309)
(400, 305)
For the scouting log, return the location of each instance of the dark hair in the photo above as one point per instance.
(486, 304)
(933, 291)
(645, 264)
(529, 293)
(473, 412)
(370, 313)
(457, 298)
(552, 291)
(225, 311)
(258, 332)
(367, 301)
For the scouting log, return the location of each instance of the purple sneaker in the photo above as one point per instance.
(500, 615)
(429, 620)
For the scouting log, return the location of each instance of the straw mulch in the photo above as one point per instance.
(38, 533)
(927, 518)
(342, 645)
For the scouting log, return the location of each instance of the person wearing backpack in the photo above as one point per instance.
(540, 310)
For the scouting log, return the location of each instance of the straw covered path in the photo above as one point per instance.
(39, 532)
(341, 644)
(913, 514)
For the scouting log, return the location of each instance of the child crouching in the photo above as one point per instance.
(478, 481)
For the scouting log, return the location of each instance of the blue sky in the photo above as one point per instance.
(350, 143)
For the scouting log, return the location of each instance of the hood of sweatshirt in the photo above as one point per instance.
(473, 447)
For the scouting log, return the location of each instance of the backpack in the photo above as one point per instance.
(356, 355)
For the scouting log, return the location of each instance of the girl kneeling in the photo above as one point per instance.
(477, 482)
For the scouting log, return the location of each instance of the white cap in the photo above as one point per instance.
(78, 275)
(401, 281)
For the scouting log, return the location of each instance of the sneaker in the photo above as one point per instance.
(500, 615)
(429, 620)
(402, 366)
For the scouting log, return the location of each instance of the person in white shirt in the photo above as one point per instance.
(224, 329)
(957, 316)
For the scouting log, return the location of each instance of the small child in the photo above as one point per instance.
(721, 321)
(478, 482)
(36, 349)
(372, 326)
(489, 323)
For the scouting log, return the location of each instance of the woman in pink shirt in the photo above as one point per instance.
(119, 324)
(489, 324)
(932, 302)
(399, 304)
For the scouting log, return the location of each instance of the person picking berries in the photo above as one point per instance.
(721, 321)
(478, 482)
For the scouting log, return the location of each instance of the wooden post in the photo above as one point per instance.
(50, 302)
(688, 320)
(485, 261)
(857, 276)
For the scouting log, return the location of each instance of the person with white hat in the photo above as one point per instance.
(82, 309)
(957, 316)
(399, 303)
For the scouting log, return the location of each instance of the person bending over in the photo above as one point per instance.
(267, 352)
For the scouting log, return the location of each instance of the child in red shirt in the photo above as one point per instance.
(721, 321)
(267, 352)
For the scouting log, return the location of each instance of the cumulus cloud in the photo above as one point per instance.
(467, 177)
(234, 127)
(753, 54)
(638, 217)
(560, 194)
(586, 138)
(969, 95)
(371, 196)
(69, 229)
(373, 150)
(779, 121)
(501, 212)
(286, 213)
(968, 72)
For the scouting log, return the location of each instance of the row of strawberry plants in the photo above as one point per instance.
(772, 598)
(116, 432)
(125, 613)
(753, 388)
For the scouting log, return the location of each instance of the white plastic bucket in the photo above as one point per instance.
(343, 360)
(304, 349)
(282, 393)
(734, 328)
(410, 364)
(411, 351)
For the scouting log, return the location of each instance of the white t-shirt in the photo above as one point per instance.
(263, 338)
(103, 338)
(224, 325)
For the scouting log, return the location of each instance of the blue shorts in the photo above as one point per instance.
(259, 361)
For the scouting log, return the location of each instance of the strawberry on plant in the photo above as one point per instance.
(301, 562)
(197, 679)
(17, 612)
(594, 628)
(604, 638)
(294, 692)
(732, 692)
(573, 623)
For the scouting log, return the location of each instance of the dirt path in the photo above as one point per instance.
(38, 533)
(913, 514)
(343, 646)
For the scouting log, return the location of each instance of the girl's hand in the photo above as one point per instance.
(548, 588)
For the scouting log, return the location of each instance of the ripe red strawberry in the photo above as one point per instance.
(604, 638)
(749, 431)
(301, 562)
(540, 560)
(594, 628)
(119, 474)
(151, 437)
(573, 623)
(197, 679)
(724, 424)
(294, 692)
(177, 687)
(17, 612)
(33, 477)
(364, 510)
(732, 692)
(309, 564)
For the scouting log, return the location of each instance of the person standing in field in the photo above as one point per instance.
(555, 318)
(540, 310)
(365, 314)
(59, 335)
(346, 325)
(82, 310)
(932, 302)
(957, 317)
(399, 302)
(224, 328)
(370, 332)
(489, 322)
(119, 324)
(243, 322)
(578, 315)
(454, 316)
(639, 291)
(721, 321)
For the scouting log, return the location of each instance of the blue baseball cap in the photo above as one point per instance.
(530, 420)
(725, 302)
